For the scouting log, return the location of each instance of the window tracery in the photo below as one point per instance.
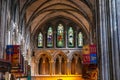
(50, 37)
(40, 40)
(63, 38)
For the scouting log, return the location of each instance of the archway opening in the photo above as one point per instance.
(43, 66)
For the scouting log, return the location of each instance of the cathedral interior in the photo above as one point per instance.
(52, 39)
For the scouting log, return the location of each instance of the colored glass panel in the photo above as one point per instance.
(50, 37)
(80, 39)
(70, 37)
(40, 40)
(60, 36)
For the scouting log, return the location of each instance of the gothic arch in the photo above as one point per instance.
(60, 60)
(76, 63)
(71, 55)
(43, 65)
(43, 52)
(59, 53)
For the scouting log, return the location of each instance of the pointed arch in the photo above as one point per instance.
(40, 40)
(60, 35)
(80, 39)
(50, 37)
(70, 37)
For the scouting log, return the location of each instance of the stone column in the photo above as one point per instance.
(114, 38)
(103, 41)
(3, 26)
(60, 62)
(50, 69)
(65, 67)
(53, 68)
(108, 42)
(76, 61)
(36, 67)
(68, 67)
(118, 20)
(118, 38)
(43, 66)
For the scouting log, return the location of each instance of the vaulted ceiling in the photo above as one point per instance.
(39, 11)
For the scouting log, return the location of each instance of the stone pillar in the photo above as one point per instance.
(43, 66)
(3, 26)
(50, 69)
(36, 67)
(53, 68)
(68, 67)
(114, 38)
(103, 41)
(65, 67)
(76, 62)
(118, 38)
(60, 62)
(108, 42)
(118, 19)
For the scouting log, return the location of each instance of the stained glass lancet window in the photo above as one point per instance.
(80, 39)
(60, 35)
(50, 37)
(40, 40)
(70, 37)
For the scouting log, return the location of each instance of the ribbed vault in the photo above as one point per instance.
(39, 11)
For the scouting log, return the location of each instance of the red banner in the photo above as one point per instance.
(15, 58)
(93, 49)
(89, 54)
(86, 58)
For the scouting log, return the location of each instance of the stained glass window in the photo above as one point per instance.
(60, 36)
(80, 39)
(40, 40)
(70, 37)
(50, 37)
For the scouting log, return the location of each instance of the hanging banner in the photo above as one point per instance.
(15, 58)
(9, 49)
(9, 52)
(86, 58)
(93, 54)
(89, 54)
(86, 54)
(13, 55)
(86, 49)
(93, 58)
(93, 49)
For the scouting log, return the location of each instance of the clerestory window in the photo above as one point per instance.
(60, 36)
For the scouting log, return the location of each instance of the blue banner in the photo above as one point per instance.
(93, 58)
(9, 49)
